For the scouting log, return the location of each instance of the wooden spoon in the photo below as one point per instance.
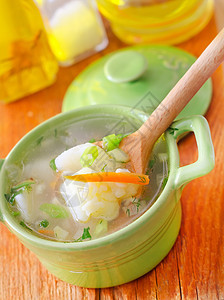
(139, 144)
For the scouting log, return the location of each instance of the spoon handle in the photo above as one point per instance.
(184, 90)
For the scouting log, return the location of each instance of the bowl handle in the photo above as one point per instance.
(206, 157)
(1, 163)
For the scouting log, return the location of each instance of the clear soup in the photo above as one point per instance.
(41, 208)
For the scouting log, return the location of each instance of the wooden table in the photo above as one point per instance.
(194, 268)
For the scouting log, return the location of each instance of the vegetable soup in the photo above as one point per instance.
(68, 188)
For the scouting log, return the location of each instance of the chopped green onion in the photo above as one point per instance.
(89, 155)
(15, 213)
(119, 155)
(103, 169)
(23, 185)
(112, 141)
(53, 165)
(54, 210)
(92, 141)
(128, 212)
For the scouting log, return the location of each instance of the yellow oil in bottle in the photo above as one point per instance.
(26, 61)
(156, 21)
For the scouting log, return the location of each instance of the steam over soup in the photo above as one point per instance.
(69, 189)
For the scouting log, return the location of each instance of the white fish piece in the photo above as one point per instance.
(131, 190)
(102, 209)
(79, 214)
(95, 199)
(107, 196)
(39, 166)
(72, 160)
(119, 192)
(24, 202)
(69, 160)
(75, 192)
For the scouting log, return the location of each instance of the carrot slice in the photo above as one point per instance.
(111, 177)
(46, 232)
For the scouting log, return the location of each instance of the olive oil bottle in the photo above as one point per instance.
(156, 21)
(26, 61)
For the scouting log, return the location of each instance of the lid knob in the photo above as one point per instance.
(125, 66)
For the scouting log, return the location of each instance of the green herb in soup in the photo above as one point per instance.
(44, 223)
(55, 206)
(19, 189)
(112, 141)
(85, 236)
(54, 210)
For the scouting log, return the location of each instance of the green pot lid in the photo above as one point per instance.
(139, 77)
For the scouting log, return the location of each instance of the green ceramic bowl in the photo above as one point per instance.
(136, 249)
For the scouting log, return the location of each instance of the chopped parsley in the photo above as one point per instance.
(128, 212)
(10, 197)
(164, 182)
(18, 189)
(137, 203)
(151, 163)
(172, 130)
(142, 179)
(44, 223)
(24, 225)
(86, 235)
(39, 141)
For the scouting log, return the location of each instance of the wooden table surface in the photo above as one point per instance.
(194, 268)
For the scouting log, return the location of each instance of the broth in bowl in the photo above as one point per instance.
(53, 206)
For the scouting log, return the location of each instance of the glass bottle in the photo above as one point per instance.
(156, 21)
(27, 64)
(75, 29)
